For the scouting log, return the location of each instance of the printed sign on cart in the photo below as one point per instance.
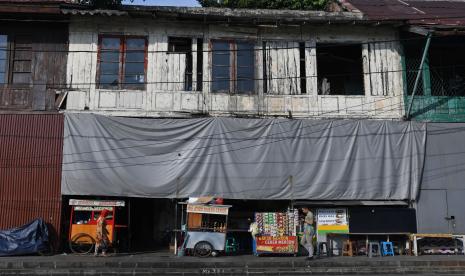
(333, 220)
(207, 209)
(283, 244)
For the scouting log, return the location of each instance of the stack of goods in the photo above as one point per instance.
(277, 224)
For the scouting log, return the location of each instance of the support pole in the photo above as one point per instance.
(420, 71)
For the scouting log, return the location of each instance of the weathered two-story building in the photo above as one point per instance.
(33, 58)
(257, 105)
(182, 62)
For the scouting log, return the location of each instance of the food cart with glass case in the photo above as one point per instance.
(206, 227)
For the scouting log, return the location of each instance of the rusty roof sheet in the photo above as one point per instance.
(218, 14)
(413, 12)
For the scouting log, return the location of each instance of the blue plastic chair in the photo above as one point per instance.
(388, 248)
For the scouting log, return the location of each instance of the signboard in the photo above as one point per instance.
(89, 202)
(282, 244)
(208, 209)
(332, 220)
(91, 208)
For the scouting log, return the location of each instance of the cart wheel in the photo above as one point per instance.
(81, 243)
(203, 249)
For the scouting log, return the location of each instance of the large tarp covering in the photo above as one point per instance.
(242, 158)
(27, 239)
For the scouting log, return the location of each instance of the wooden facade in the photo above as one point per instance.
(277, 71)
(35, 65)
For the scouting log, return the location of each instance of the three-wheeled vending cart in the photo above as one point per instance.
(277, 233)
(83, 222)
(205, 229)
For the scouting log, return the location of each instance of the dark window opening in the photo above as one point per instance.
(413, 50)
(199, 64)
(446, 61)
(122, 62)
(265, 74)
(340, 69)
(303, 77)
(443, 71)
(183, 45)
(233, 66)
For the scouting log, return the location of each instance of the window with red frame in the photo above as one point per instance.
(122, 62)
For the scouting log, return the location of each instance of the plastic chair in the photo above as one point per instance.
(388, 248)
(347, 248)
(231, 245)
(374, 249)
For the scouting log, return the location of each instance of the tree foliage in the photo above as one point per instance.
(267, 4)
(101, 4)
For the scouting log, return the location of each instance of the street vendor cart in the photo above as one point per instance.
(206, 229)
(277, 233)
(83, 222)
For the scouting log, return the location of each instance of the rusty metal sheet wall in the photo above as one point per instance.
(31, 152)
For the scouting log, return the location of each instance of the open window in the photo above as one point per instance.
(180, 49)
(233, 66)
(446, 62)
(443, 71)
(122, 62)
(340, 69)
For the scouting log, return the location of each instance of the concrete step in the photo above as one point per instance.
(240, 265)
(380, 270)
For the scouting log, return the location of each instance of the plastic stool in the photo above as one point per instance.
(347, 249)
(374, 246)
(388, 248)
(320, 247)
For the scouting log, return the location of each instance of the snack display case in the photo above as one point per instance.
(277, 233)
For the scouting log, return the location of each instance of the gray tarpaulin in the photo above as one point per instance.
(242, 158)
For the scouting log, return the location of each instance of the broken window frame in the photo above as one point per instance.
(320, 75)
(188, 73)
(122, 54)
(233, 66)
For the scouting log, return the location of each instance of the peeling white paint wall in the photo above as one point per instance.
(164, 95)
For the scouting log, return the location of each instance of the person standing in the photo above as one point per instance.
(309, 232)
(102, 233)
(253, 229)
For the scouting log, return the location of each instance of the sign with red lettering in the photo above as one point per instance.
(208, 209)
(282, 244)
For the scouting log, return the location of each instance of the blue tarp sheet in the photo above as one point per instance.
(27, 239)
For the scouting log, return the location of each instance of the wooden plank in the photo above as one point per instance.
(258, 75)
(194, 64)
(373, 69)
(311, 68)
(366, 69)
(295, 74)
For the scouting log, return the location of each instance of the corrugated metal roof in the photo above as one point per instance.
(94, 12)
(230, 15)
(31, 149)
(414, 12)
